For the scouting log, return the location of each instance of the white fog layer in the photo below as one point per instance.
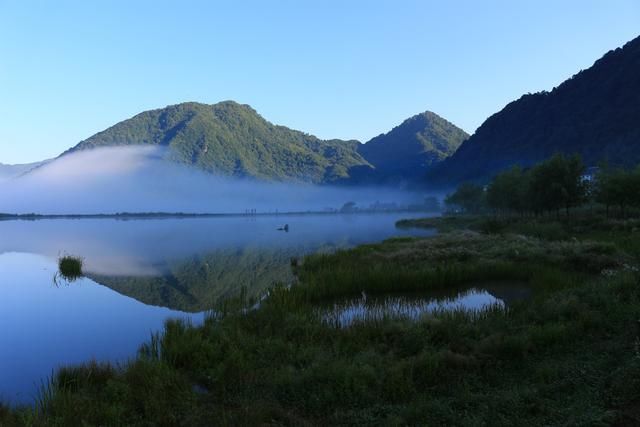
(138, 179)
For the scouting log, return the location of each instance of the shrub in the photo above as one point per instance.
(70, 267)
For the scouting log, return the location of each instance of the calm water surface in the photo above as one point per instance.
(472, 298)
(138, 274)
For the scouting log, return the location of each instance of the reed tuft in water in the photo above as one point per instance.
(70, 267)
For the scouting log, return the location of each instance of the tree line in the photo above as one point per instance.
(553, 186)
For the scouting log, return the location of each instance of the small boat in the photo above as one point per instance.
(284, 228)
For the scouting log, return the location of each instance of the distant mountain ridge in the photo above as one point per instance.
(14, 171)
(596, 113)
(407, 151)
(233, 139)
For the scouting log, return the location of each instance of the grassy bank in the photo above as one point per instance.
(569, 355)
(581, 225)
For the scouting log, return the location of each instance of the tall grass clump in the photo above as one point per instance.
(70, 267)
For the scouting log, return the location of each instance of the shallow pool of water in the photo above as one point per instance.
(414, 306)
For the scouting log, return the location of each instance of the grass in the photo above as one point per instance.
(570, 355)
(453, 259)
(346, 313)
(70, 267)
(583, 225)
(561, 360)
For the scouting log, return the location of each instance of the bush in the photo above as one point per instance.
(544, 231)
(70, 267)
(491, 226)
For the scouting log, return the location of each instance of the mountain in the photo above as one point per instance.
(408, 150)
(596, 113)
(14, 171)
(233, 139)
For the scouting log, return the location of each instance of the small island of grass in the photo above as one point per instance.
(70, 267)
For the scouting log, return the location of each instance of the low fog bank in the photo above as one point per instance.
(139, 179)
(8, 172)
(153, 248)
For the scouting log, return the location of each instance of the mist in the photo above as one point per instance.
(140, 179)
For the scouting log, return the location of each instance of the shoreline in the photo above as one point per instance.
(179, 215)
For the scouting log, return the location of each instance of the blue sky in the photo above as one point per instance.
(337, 69)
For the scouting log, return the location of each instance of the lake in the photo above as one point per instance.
(140, 272)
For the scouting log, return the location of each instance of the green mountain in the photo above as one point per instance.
(233, 139)
(596, 113)
(408, 150)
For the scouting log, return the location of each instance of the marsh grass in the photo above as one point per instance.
(450, 261)
(582, 225)
(348, 312)
(566, 356)
(70, 267)
(7, 416)
(282, 366)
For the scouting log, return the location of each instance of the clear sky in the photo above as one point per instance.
(333, 68)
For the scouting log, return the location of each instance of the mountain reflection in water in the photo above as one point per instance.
(151, 270)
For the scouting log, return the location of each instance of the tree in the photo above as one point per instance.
(469, 197)
(432, 204)
(574, 187)
(507, 192)
(633, 186)
(348, 207)
(557, 183)
(618, 188)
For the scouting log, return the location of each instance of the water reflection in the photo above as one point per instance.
(151, 270)
(472, 299)
(148, 247)
(69, 270)
(192, 264)
(43, 327)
